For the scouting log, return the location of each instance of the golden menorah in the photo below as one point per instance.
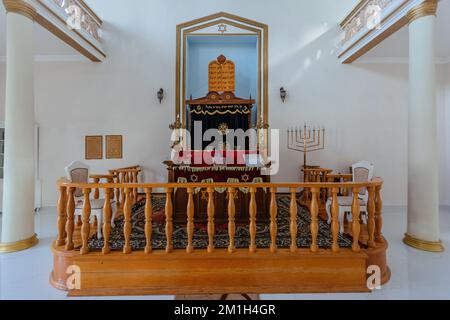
(306, 140)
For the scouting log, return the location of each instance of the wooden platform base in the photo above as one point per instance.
(179, 273)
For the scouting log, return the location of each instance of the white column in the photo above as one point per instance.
(423, 183)
(19, 173)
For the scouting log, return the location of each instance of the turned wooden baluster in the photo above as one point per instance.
(314, 219)
(169, 221)
(96, 190)
(356, 227)
(231, 219)
(273, 220)
(122, 190)
(211, 227)
(378, 215)
(111, 193)
(148, 220)
(118, 193)
(371, 217)
(107, 213)
(135, 180)
(335, 219)
(252, 227)
(62, 216)
(127, 221)
(293, 227)
(70, 224)
(190, 220)
(86, 228)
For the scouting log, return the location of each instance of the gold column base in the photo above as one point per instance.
(430, 246)
(19, 245)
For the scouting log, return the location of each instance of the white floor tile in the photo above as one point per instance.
(415, 274)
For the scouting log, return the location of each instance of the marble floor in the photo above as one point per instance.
(415, 274)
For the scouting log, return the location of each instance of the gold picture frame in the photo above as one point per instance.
(114, 147)
(94, 147)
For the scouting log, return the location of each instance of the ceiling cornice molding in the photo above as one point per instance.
(20, 7)
(426, 8)
(360, 36)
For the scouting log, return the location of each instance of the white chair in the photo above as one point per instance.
(78, 172)
(362, 172)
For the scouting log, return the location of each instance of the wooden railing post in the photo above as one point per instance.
(252, 210)
(314, 219)
(118, 192)
(107, 213)
(190, 220)
(96, 190)
(378, 215)
(148, 220)
(122, 190)
(273, 220)
(211, 227)
(86, 228)
(135, 180)
(231, 219)
(169, 220)
(70, 224)
(293, 226)
(335, 219)
(62, 216)
(371, 217)
(356, 227)
(111, 192)
(127, 221)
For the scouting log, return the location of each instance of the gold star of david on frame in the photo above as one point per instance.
(222, 28)
(245, 178)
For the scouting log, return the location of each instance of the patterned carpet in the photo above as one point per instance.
(221, 238)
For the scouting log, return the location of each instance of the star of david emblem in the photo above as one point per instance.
(194, 178)
(245, 178)
(222, 28)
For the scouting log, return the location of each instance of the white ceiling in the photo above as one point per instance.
(394, 47)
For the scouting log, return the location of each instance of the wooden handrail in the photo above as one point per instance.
(66, 213)
(376, 182)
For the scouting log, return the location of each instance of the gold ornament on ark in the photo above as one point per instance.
(223, 129)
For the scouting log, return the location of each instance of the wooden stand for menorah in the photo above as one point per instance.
(306, 140)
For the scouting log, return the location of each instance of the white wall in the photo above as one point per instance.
(364, 107)
(444, 133)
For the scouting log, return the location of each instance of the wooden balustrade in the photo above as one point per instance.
(148, 220)
(66, 213)
(211, 226)
(273, 220)
(169, 220)
(86, 217)
(231, 219)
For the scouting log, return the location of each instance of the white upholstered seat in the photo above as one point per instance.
(362, 172)
(79, 172)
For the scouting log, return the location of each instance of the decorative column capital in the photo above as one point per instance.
(426, 8)
(20, 7)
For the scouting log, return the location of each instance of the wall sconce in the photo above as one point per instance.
(160, 95)
(283, 94)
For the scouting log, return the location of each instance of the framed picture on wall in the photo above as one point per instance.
(114, 147)
(94, 147)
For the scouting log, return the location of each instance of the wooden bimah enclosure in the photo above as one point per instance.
(295, 251)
